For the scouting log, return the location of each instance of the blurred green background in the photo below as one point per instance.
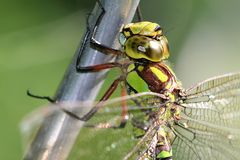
(39, 38)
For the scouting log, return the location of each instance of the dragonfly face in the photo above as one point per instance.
(144, 40)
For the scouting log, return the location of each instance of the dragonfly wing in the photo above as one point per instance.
(109, 143)
(210, 124)
(96, 140)
(140, 149)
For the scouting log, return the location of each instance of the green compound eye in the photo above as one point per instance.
(141, 47)
(144, 40)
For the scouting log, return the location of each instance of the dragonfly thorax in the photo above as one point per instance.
(159, 77)
(144, 40)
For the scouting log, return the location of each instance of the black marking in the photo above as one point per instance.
(142, 43)
(134, 43)
(158, 28)
(128, 30)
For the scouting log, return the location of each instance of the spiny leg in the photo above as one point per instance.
(105, 97)
(96, 44)
(123, 119)
(40, 97)
(107, 50)
(99, 67)
(124, 114)
(84, 41)
(101, 47)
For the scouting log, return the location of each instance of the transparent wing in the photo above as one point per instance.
(96, 140)
(210, 124)
(143, 144)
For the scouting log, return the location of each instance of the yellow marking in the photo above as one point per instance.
(164, 154)
(148, 29)
(140, 86)
(168, 113)
(162, 132)
(144, 28)
(160, 75)
(168, 86)
(137, 27)
(127, 34)
(130, 67)
(140, 68)
(161, 143)
(172, 97)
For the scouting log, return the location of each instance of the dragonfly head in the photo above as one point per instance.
(144, 40)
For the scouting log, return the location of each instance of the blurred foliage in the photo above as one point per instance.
(39, 38)
(37, 41)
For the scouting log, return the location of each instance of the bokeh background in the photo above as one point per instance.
(39, 38)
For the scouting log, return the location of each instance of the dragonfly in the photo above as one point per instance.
(168, 122)
(207, 126)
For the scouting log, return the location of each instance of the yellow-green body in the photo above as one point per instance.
(145, 44)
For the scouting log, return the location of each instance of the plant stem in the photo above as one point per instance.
(59, 131)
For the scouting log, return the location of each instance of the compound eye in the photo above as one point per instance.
(122, 39)
(155, 50)
(164, 43)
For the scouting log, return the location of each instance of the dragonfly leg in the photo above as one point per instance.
(101, 47)
(123, 119)
(96, 44)
(124, 115)
(40, 97)
(98, 67)
(105, 97)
